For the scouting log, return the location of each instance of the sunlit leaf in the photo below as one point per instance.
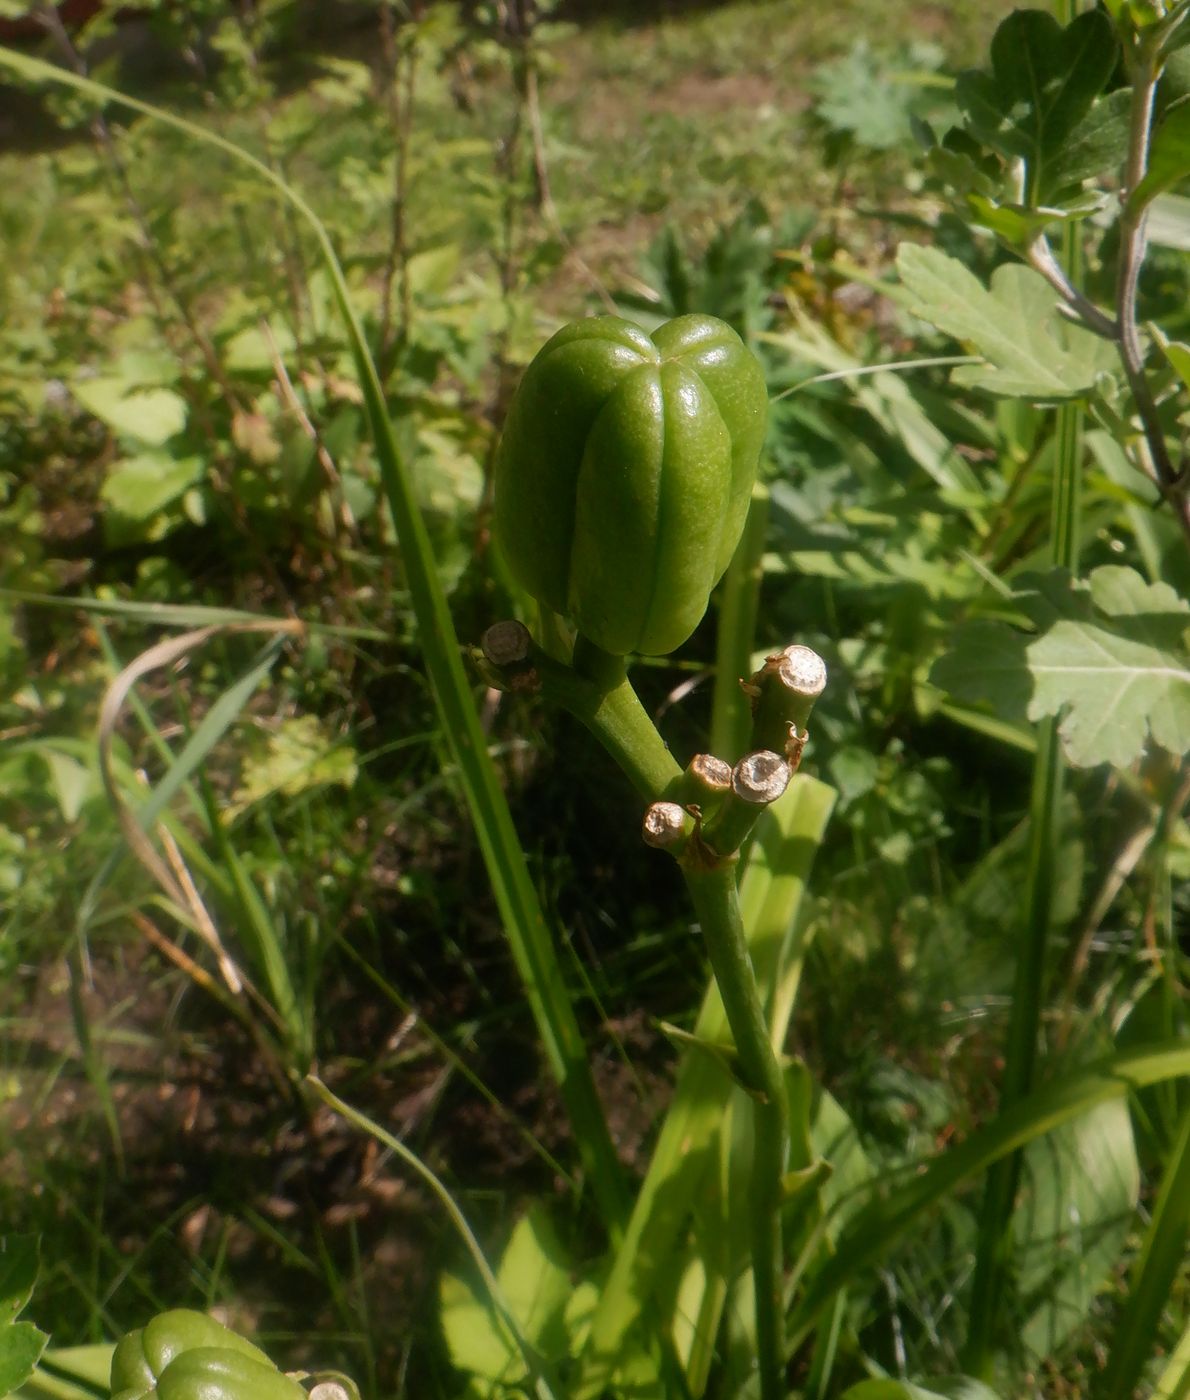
(299, 756)
(21, 1345)
(1121, 675)
(79, 1373)
(1043, 82)
(535, 1281)
(151, 416)
(138, 487)
(1078, 1195)
(1031, 351)
(937, 1388)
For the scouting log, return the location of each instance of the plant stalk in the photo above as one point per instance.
(619, 720)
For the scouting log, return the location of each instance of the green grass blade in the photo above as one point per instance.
(687, 1145)
(264, 943)
(1162, 1258)
(178, 614)
(211, 728)
(739, 602)
(520, 909)
(876, 1227)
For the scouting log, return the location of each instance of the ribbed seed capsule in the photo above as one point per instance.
(185, 1355)
(140, 1358)
(216, 1373)
(624, 474)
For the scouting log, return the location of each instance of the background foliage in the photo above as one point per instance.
(184, 441)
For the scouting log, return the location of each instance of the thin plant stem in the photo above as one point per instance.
(599, 693)
(1041, 259)
(621, 723)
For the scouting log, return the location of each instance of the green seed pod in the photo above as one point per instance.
(624, 475)
(142, 1357)
(218, 1373)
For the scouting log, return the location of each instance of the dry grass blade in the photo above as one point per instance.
(173, 877)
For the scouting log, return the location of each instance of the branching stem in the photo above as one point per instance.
(1041, 259)
(598, 692)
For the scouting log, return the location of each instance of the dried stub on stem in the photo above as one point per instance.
(667, 827)
(760, 778)
(506, 643)
(783, 693)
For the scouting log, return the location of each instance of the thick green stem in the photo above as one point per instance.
(602, 696)
(599, 693)
(716, 903)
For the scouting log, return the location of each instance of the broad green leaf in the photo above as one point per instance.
(887, 398)
(1031, 351)
(1153, 530)
(1169, 157)
(535, 1280)
(939, 1388)
(18, 1273)
(151, 416)
(1018, 224)
(986, 665)
(535, 1277)
(21, 1345)
(835, 1139)
(855, 96)
(73, 782)
(1078, 1194)
(1041, 87)
(138, 487)
(1177, 352)
(251, 350)
(1097, 145)
(1121, 675)
(1168, 223)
